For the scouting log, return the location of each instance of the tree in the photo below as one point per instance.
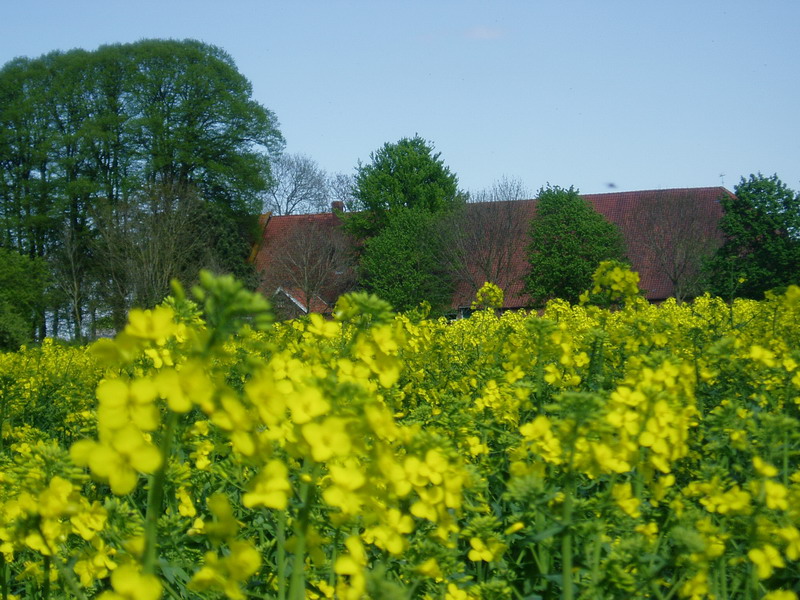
(568, 240)
(23, 283)
(505, 189)
(401, 202)
(82, 130)
(196, 124)
(147, 243)
(406, 174)
(761, 251)
(403, 263)
(298, 186)
(678, 237)
(478, 234)
(341, 189)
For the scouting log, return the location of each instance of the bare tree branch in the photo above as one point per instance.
(341, 188)
(314, 263)
(147, 242)
(484, 235)
(676, 236)
(299, 186)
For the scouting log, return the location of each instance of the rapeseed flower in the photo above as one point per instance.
(627, 502)
(131, 584)
(96, 565)
(124, 401)
(154, 325)
(766, 559)
(328, 438)
(118, 457)
(227, 574)
(390, 535)
(271, 487)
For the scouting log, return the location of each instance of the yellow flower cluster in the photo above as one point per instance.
(488, 296)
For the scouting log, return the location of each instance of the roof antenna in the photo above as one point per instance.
(722, 179)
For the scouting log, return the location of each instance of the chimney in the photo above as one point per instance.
(337, 206)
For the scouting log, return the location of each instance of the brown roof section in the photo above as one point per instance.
(295, 295)
(642, 216)
(677, 210)
(306, 258)
(278, 231)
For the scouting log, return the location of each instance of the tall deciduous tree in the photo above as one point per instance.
(23, 283)
(316, 263)
(678, 235)
(341, 189)
(568, 240)
(81, 129)
(761, 251)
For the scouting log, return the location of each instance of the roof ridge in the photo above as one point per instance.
(682, 189)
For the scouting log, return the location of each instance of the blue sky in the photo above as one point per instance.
(638, 94)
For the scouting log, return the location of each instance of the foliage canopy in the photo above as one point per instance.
(403, 263)
(406, 174)
(104, 132)
(761, 251)
(23, 283)
(568, 240)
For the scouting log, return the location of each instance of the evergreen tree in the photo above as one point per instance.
(568, 240)
(401, 205)
(761, 251)
(406, 174)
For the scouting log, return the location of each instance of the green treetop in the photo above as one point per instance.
(406, 174)
(568, 240)
(761, 225)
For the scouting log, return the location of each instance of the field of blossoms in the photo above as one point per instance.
(611, 449)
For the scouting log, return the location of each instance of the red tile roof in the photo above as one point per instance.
(624, 210)
(276, 231)
(621, 208)
(287, 238)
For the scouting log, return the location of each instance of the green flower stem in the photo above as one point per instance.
(2, 421)
(281, 555)
(46, 582)
(540, 551)
(66, 575)
(723, 581)
(597, 549)
(752, 588)
(567, 591)
(677, 586)
(3, 576)
(334, 557)
(297, 583)
(785, 457)
(68, 578)
(155, 497)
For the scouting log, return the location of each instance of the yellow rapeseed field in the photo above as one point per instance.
(611, 449)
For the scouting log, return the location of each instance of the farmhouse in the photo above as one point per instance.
(305, 261)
